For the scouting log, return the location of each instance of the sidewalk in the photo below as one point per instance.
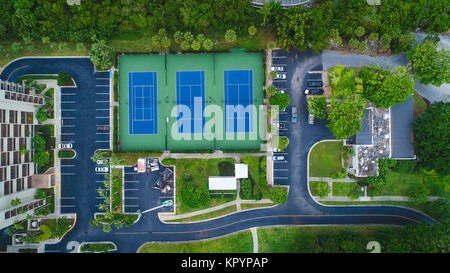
(367, 199)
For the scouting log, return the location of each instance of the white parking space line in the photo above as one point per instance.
(131, 189)
(101, 101)
(68, 166)
(102, 85)
(280, 170)
(102, 93)
(132, 181)
(134, 198)
(68, 118)
(131, 206)
(67, 206)
(278, 177)
(131, 173)
(67, 197)
(70, 126)
(68, 110)
(68, 94)
(68, 134)
(68, 174)
(102, 141)
(101, 117)
(67, 101)
(102, 109)
(102, 133)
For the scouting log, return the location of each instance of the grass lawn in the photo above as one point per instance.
(303, 239)
(325, 159)
(241, 242)
(419, 104)
(342, 188)
(206, 216)
(130, 158)
(245, 206)
(199, 170)
(400, 184)
(313, 186)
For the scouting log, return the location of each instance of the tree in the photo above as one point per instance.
(230, 36)
(273, 74)
(42, 115)
(386, 88)
(431, 137)
(360, 31)
(252, 31)
(373, 37)
(196, 45)
(419, 193)
(281, 99)
(178, 37)
(271, 90)
(63, 78)
(271, 45)
(100, 54)
(208, 44)
(429, 65)
(291, 28)
(16, 202)
(353, 43)
(317, 106)
(346, 116)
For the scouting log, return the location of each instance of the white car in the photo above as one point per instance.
(277, 68)
(65, 145)
(102, 161)
(281, 76)
(101, 169)
(278, 157)
(310, 119)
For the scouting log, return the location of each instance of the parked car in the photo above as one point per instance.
(101, 169)
(313, 91)
(65, 145)
(294, 114)
(277, 68)
(281, 76)
(278, 157)
(102, 161)
(315, 83)
(103, 127)
(310, 119)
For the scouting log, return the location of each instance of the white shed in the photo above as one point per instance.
(222, 183)
(241, 170)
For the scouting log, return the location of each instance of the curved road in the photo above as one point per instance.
(300, 208)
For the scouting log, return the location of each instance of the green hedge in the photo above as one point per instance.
(66, 154)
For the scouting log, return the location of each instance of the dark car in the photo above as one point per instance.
(315, 83)
(314, 91)
(103, 127)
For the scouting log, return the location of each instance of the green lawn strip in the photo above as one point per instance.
(401, 183)
(116, 86)
(97, 247)
(116, 189)
(66, 153)
(116, 129)
(342, 188)
(197, 172)
(241, 242)
(313, 187)
(325, 159)
(130, 158)
(419, 104)
(36, 77)
(314, 239)
(209, 215)
(245, 206)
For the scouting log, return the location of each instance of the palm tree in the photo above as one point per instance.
(16, 202)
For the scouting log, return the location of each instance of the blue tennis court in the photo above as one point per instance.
(238, 95)
(143, 102)
(190, 101)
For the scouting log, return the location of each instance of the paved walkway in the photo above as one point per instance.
(216, 154)
(327, 179)
(255, 239)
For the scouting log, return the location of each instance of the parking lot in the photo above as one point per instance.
(148, 189)
(73, 130)
(280, 162)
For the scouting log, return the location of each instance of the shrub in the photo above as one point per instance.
(373, 37)
(42, 115)
(278, 195)
(360, 31)
(230, 36)
(323, 189)
(340, 175)
(64, 78)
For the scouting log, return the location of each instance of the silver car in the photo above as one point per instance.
(65, 145)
